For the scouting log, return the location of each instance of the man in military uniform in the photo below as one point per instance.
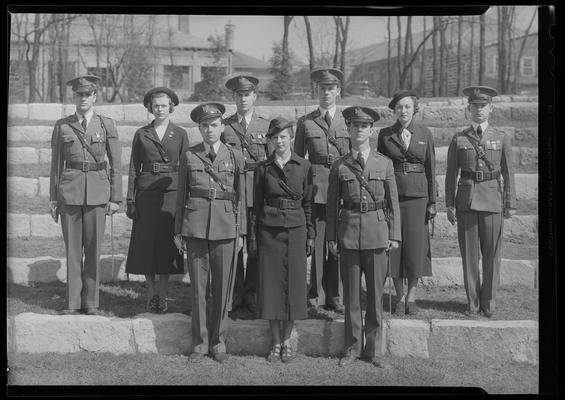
(480, 156)
(363, 224)
(209, 225)
(322, 135)
(246, 131)
(83, 189)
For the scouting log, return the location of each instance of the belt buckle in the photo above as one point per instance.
(330, 159)
(478, 176)
(363, 206)
(212, 193)
(405, 168)
(283, 204)
(85, 166)
(156, 168)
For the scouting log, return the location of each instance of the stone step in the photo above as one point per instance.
(30, 155)
(526, 186)
(42, 133)
(437, 112)
(447, 271)
(42, 225)
(514, 341)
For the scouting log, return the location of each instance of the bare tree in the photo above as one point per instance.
(472, 46)
(459, 69)
(435, 66)
(482, 55)
(399, 46)
(423, 59)
(503, 26)
(442, 57)
(287, 20)
(389, 78)
(521, 53)
(509, 35)
(310, 50)
(344, 30)
(337, 40)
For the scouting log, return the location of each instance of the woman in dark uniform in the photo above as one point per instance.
(284, 233)
(411, 148)
(151, 197)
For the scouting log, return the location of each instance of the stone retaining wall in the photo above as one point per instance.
(167, 334)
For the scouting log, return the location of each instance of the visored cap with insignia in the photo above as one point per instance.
(399, 96)
(160, 89)
(331, 76)
(207, 111)
(84, 83)
(278, 125)
(479, 94)
(242, 82)
(362, 114)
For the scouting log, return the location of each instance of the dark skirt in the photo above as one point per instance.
(413, 258)
(281, 293)
(151, 247)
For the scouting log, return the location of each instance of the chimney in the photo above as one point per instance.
(184, 24)
(229, 35)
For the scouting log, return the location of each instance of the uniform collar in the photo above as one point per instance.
(365, 153)
(484, 126)
(248, 117)
(88, 115)
(331, 110)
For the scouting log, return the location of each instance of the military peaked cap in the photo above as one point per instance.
(278, 125)
(400, 95)
(242, 82)
(207, 111)
(84, 83)
(479, 94)
(327, 76)
(160, 89)
(361, 114)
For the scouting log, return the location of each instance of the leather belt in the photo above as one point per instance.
(250, 166)
(323, 160)
(364, 206)
(406, 167)
(212, 194)
(158, 167)
(480, 176)
(283, 203)
(86, 166)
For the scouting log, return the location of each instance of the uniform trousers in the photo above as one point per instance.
(83, 228)
(324, 273)
(210, 267)
(480, 230)
(363, 339)
(245, 289)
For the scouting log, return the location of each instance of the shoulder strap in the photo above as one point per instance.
(245, 145)
(292, 193)
(84, 144)
(480, 152)
(333, 141)
(361, 180)
(210, 171)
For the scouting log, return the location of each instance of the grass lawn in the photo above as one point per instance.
(303, 374)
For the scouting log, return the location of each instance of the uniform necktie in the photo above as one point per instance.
(328, 118)
(244, 125)
(83, 123)
(480, 132)
(361, 160)
(212, 154)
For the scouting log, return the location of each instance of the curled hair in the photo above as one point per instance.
(149, 105)
(416, 104)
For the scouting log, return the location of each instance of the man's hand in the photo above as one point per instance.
(309, 247)
(240, 244)
(332, 247)
(54, 210)
(430, 212)
(112, 208)
(451, 215)
(180, 243)
(508, 213)
(131, 211)
(392, 244)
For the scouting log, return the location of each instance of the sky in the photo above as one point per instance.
(255, 34)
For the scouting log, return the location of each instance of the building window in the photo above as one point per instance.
(177, 77)
(527, 66)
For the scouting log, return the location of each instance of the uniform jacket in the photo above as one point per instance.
(256, 138)
(297, 174)
(420, 151)
(351, 228)
(73, 186)
(146, 149)
(311, 138)
(466, 194)
(200, 217)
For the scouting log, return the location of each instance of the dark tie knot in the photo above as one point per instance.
(83, 123)
(244, 124)
(361, 160)
(328, 118)
(479, 130)
(212, 154)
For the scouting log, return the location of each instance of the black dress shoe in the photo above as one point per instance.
(410, 308)
(379, 363)
(221, 357)
(93, 311)
(399, 308)
(348, 359)
(196, 357)
(69, 312)
(488, 313)
(471, 313)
